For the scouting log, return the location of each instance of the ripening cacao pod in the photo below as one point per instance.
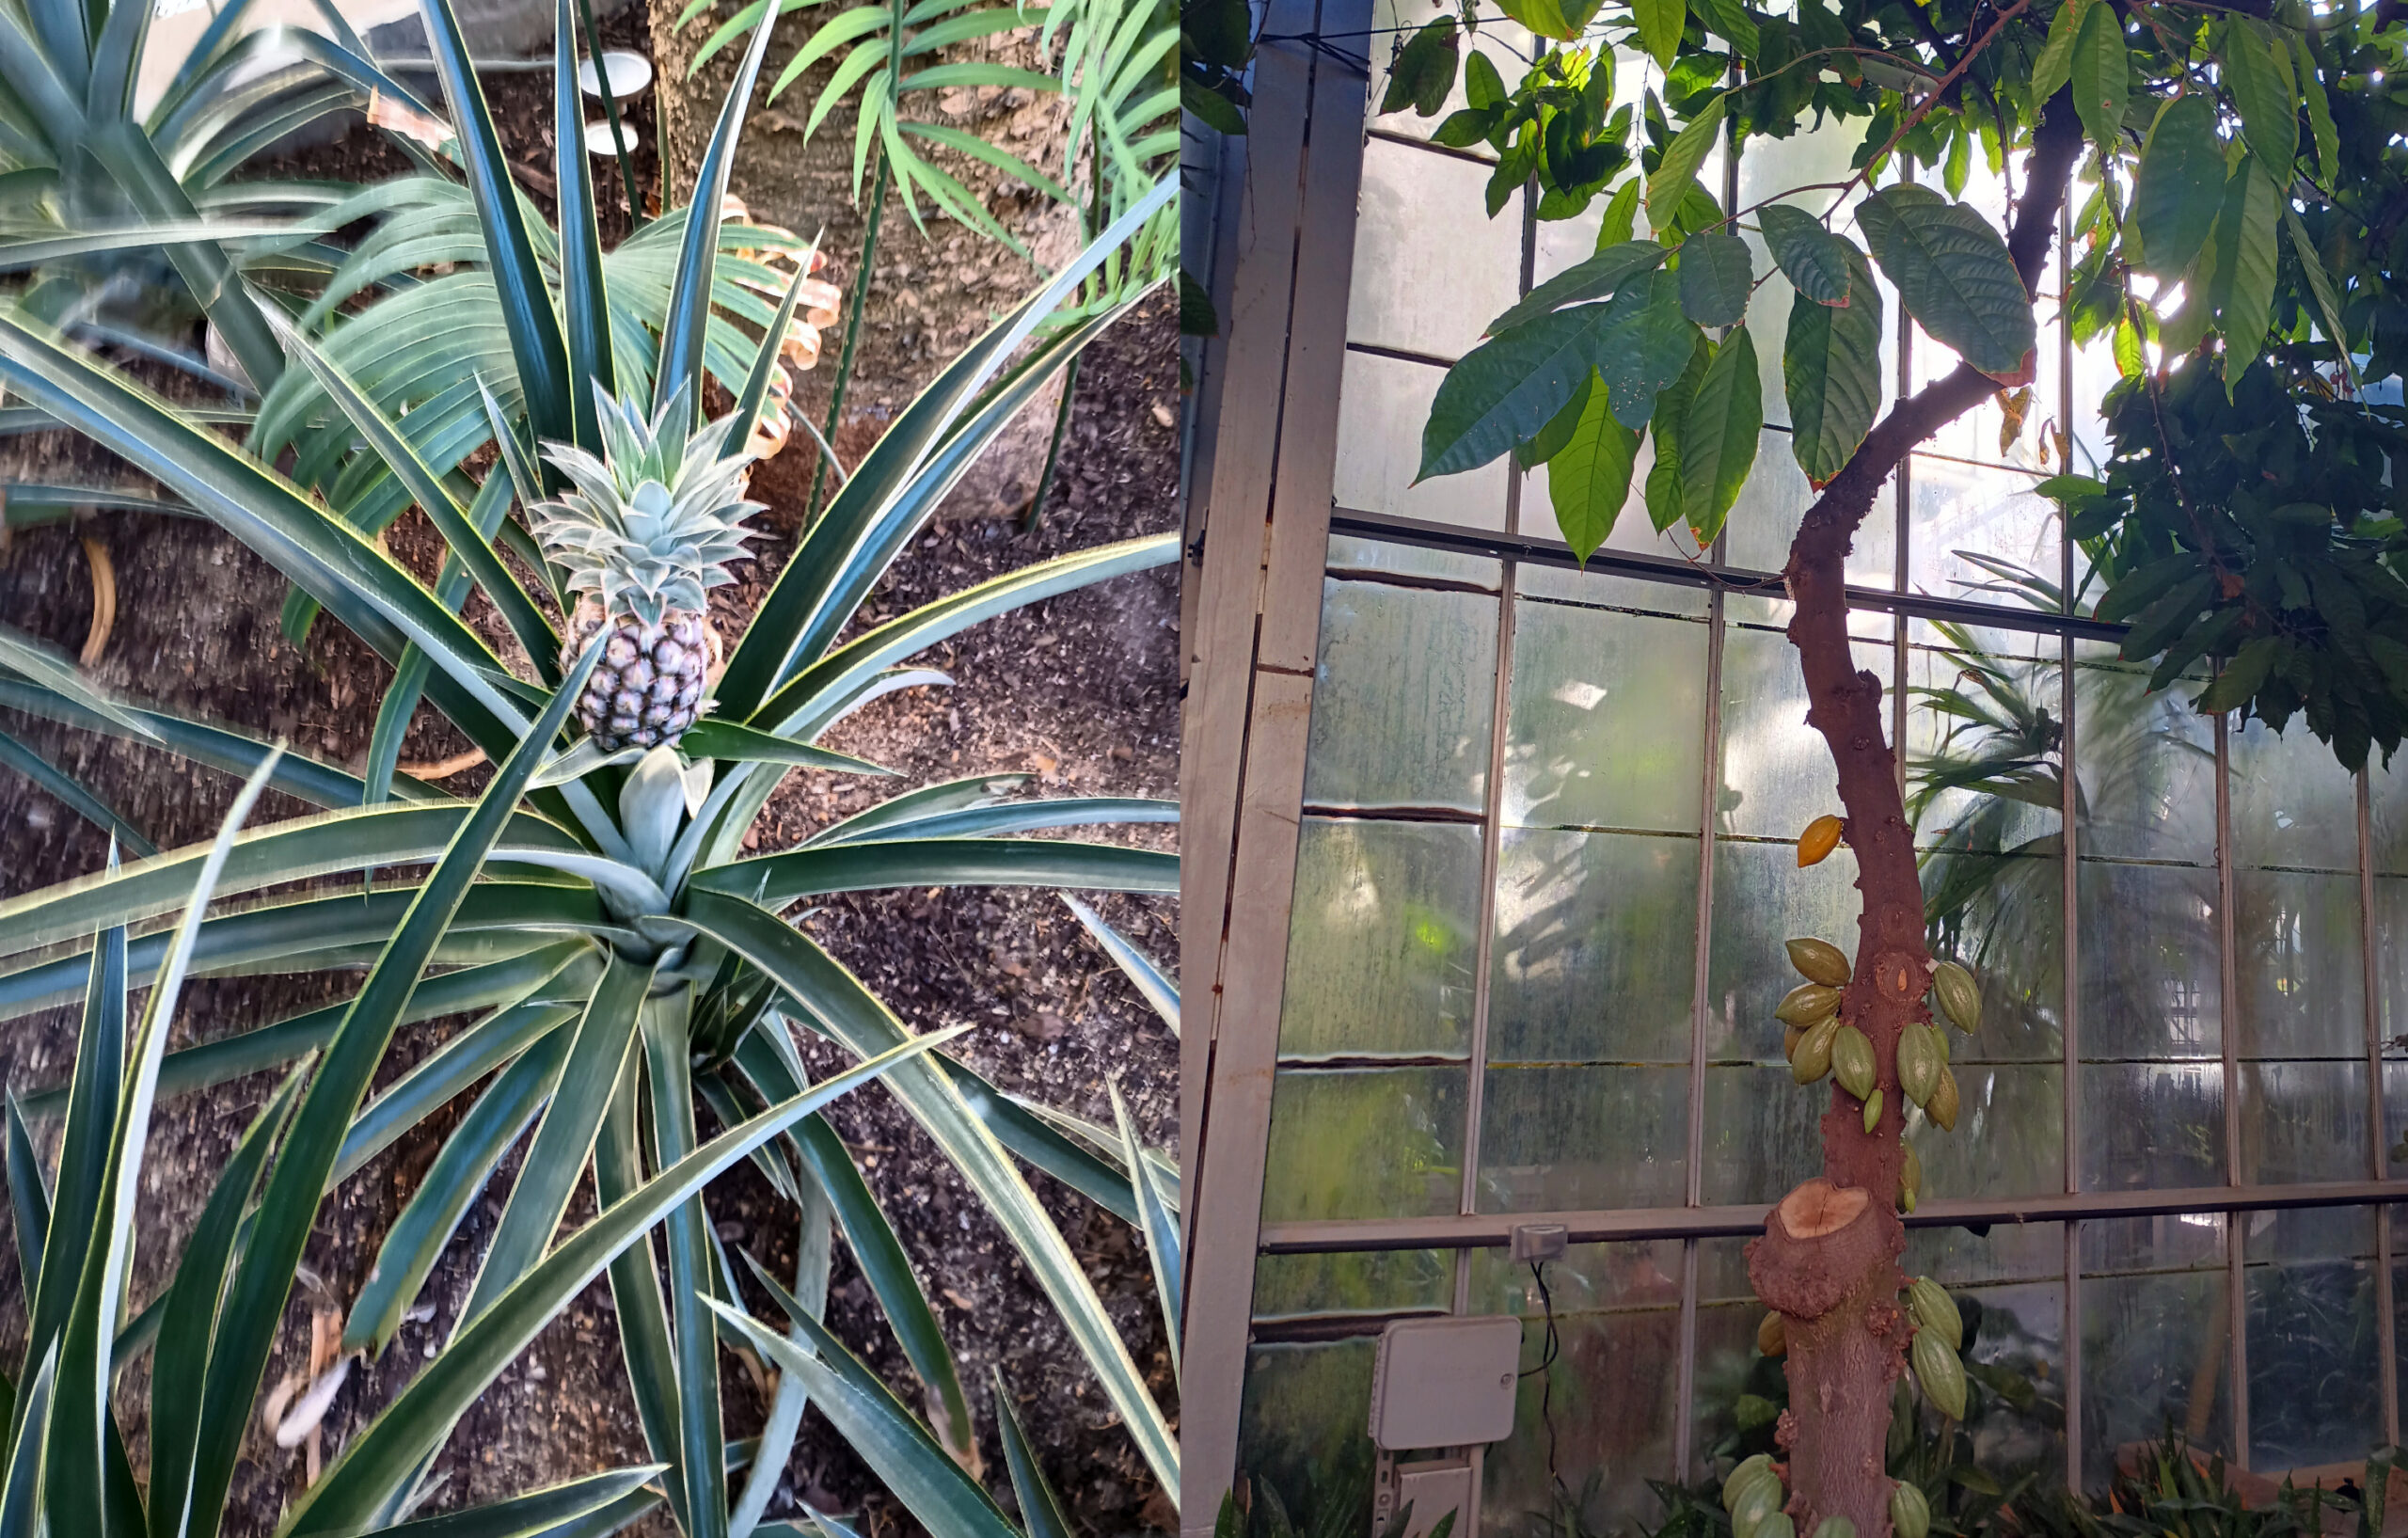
(1737, 1479)
(1772, 1335)
(1872, 1110)
(1759, 1499)
(1835, 1526)
(1943, 1105)
(1790, 1036)
(1935, 1310)
(1821, 837)
(1812, 1058)
(1852, 1061)
(1819, 961)
(1910, 1513)
(1806, 1004)
(1920, 1061)
(1960, 997)
(1941, 1373)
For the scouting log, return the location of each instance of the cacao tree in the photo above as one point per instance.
(2232, 178)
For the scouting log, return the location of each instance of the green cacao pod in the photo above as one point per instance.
(1806, 1004)
(1790, 1036)
(1819, 961)
(1872, 1110)
(1943, 1105)
(1835, 1526)
(1920, 1061)
(1772, 1335)
(1960, 997)
(1737, 1479)
(1941, 1373)
(1935, 1310)
(1906, 1199)
(1812, 1058)
(1852, 1061)
(1910, 1513)
(1940, 1039)
(1779, 1525)
(1759, 1499)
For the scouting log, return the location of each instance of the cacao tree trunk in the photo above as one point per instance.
(1829, 1258)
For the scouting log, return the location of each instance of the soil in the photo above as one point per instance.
(1079, 691)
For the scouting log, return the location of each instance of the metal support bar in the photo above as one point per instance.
(2228, 1010)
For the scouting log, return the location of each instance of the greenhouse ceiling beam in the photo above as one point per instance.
(1538, 551)
(1496, 1230)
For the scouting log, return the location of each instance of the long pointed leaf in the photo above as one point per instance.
(82, 801)
(584, 300)
(690, 293)
(668, 1056)
(1161, 1225)
(777, 880)
(1152, 984)
(1041, 1508)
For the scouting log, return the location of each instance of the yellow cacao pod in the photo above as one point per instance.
(1872, 1110)
(1806, 1004)
(1819, 961)
(1941, 1373)
(1852, 1061)
(1910, 1513)
(1772, 1335)
(1812, 1058)
(1960, 997)
(1737, 1479)
(1943, 1105)
(1920, 1061)
(1935, 1310)
(1821, 837)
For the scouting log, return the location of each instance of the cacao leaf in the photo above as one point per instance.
(2243, 286)
(1646, 344)
(1588, 479)
(1424, 70)
(1719, 434)
(1716, 279)
(2102, 77)
(1600, 277)
(2257, 72)
(1954, 276)
(1677, 172)
(1659, 27)
(2181, 178)
(1816, 261)
(1507, 389)
(1830, 374)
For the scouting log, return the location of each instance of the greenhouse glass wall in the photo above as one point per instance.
(1491, 858)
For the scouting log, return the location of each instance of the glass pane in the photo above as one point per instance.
(1404, 696)
(1304, 1432)
(1384, 1142)
(1774, 502)
(2152, 1126)
(1777, 774)
(1567, 1136)
(1761, 900)
(2303, 985)
(1728, 1364)
(1984, 738)
(1957, 509)
(1762, 1133)
(1607, 724)
(1378, 1281)
(1375, 558)
(2147, 763)
(2292, 803)
(2312, 1338)
(2003, 916)
(2150, 973)
(2303, 1122)
(2156, 1332)
(1381, 404)
(1958, 1257)
(2391, 954)
(1432, 269)
(2387, 814)
(1596, 956)
(1383, 942)
(1595, 586)
(2021, 1332)
(2009, 1139)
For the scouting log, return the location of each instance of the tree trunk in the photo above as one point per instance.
(1828, 1260)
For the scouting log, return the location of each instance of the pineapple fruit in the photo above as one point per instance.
(646, 530)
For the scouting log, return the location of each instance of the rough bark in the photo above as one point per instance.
(1836, 1285)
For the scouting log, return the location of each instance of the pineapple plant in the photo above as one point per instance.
(645, 532)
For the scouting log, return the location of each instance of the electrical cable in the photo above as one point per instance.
(1550, 1349)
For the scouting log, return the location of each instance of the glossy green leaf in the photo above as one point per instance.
(2320, 111)
(2257, 72)
(667, 1051)
(1954, 276)
(34, 660)
(1716, 278)
(1816, 261)
(1665, 506)
(2102, 77)
(538, 1513)
(585, 298)
(2320, 285)
(1659, 27)
(1589, 479)
(1720, 433)
(690, 290)
(711, 737)
(778, 880)
(1831, 374)
(1599, 276)
(635, 1287)
(2245, 256)
(2179, 184)
(1424, 70)
(1647, 343)
(1160, 1224)
(2054, 67)
(20, 1501)
(1677, 172)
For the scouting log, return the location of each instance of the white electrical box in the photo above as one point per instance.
(1445, 1383)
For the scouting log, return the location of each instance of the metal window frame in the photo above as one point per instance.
(1258, 556)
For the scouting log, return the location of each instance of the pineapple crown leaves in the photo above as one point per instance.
(650, 525)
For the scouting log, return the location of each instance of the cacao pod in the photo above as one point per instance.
(1910, 1178)
(1759, 1499)
(1812, 1058)
(1906, 1199)
(1790, 1036)
(1835, 1526)
(1941, 1373)
(1935, 1310)
(1852, 1061)
(1919, 1061)
(1806, 1004)
(1779, 1525)
(1960, 997)
(1872, 1110)
(1910, 1513)
(1942, 1106)
(1821, 837)
(1737, 1479)
(1819, 961)
(1772, 1336)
